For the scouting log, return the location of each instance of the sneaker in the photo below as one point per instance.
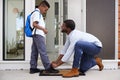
(52, 70)
(34, 70)
(81, 73)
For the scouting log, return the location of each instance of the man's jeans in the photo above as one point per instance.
(84, 55)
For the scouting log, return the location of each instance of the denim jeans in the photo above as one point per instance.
(84, 55)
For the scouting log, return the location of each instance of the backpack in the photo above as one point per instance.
(28, 28)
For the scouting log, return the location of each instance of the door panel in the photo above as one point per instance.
(100, 21)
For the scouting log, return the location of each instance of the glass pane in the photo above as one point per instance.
(65, 16)
(56, 13)
(13, 29)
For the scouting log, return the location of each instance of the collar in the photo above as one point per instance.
(37, 9)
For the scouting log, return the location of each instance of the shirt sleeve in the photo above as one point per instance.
(69, 50)
(34, 17)
(67, 43)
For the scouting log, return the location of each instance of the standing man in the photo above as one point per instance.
(38, 45)
(85, 47)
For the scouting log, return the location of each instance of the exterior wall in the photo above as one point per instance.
(73, 13)
(1, 30)
(29, 7)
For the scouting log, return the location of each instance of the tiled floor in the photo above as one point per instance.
(90, 75)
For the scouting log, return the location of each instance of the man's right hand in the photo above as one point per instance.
(54, 64)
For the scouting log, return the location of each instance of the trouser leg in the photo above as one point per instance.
(77, 57)
(84, 55)
(41, 47)
(34, 56)
(87, 62)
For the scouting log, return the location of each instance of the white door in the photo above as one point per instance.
(58, 19)
(54, 18)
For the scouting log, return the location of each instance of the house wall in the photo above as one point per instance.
(29, 7)
(1, 30)
(73, 12)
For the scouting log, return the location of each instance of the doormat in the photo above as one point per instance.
(61, 71)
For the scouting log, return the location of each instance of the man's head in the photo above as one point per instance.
(44, 6)
(68, 26)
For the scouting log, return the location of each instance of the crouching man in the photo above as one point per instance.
(84, 46)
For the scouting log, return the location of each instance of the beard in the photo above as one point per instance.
(63, 31)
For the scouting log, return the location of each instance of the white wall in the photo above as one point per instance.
(29, 7)
(74, 12)
(1, 30)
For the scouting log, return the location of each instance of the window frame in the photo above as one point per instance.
(4, 40)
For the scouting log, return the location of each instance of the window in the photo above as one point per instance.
(13, 29)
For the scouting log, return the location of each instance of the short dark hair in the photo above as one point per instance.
(44, 3)
(70, 24)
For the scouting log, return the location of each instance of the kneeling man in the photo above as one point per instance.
(84, 46)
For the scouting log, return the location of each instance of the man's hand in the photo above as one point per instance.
(54, 64)
(58, 62)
